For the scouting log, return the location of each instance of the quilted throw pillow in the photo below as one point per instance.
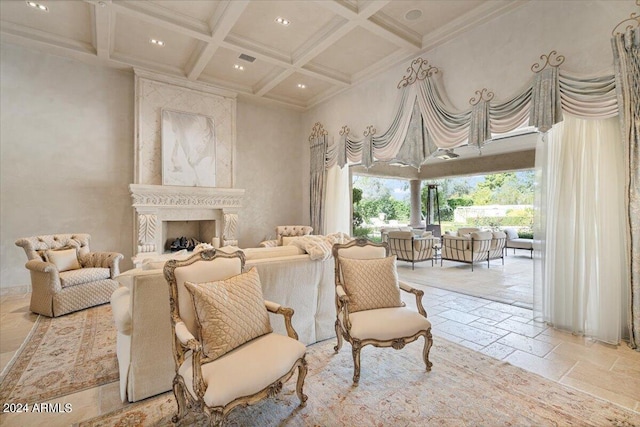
(63, 259)
(371, 283)
(229, 313)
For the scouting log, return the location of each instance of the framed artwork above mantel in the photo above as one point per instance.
(188, 149)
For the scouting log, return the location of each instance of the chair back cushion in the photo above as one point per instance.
(371, 283)
(199, 272)
(229, 313)
(363, 252)
(467, 230)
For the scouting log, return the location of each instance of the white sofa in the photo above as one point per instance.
(141, 311)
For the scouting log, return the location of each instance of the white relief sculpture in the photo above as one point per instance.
(188, 149)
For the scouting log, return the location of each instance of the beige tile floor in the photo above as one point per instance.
(503, 331)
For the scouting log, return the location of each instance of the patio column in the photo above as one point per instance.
(416, 204)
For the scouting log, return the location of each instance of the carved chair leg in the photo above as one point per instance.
(355, 349)
(302, 373)
(428, 342)
(178, 392)
(338, 346)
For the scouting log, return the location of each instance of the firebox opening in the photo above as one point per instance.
(202, 231)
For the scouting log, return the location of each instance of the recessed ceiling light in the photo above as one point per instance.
(238, 67)
(413, 14)
(38, 6)
(156, 42)
(282, 21)
(301, 86)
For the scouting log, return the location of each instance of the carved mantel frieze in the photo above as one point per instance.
(196, 197)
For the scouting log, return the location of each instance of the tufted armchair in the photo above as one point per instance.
(225, 351)
(369, 310)
(65, 275)
(285, 231)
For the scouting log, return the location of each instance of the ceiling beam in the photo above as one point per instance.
(221, 24)
(102, 17)
(322, 40)
(365, 11)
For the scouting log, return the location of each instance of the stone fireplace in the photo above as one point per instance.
(166, 212)
(163, 210)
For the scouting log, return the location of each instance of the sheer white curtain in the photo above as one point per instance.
(337, 201)
(581, 275)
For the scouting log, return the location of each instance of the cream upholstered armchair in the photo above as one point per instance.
(65, 275)
(406, 246)
(369, 310)
(225, 351)
(473, 247)
(284, 232)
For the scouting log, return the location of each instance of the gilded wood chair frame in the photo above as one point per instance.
(343, 329)
(185, 341)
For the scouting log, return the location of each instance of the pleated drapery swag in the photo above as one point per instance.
(424, 120)
(626, 54)
(318, 141)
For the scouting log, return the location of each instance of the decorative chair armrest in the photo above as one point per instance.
(342, 295)
(268, 244)
(186, 338)
(287, 313)
(343, 304)
(41, 266)
(189, 342)
(45, 276)
(110, 260)
(418, 293)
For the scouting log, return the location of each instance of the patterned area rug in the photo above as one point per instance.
(63, 355)
(464, 388)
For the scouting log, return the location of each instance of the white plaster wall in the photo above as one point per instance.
(270, 160)
(66, 152)
(496, 55)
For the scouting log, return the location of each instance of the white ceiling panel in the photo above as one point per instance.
(195, 9)
(221, 67)
(433, 13)
(69, 19)
(354, 52)
(132, 39)
(257, 23)
(288, 88)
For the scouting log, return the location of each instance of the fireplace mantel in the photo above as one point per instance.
(187, 197)
(155, 205)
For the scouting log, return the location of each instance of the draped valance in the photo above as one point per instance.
(425, 121)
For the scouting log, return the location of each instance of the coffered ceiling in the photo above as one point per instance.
(328, 45)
